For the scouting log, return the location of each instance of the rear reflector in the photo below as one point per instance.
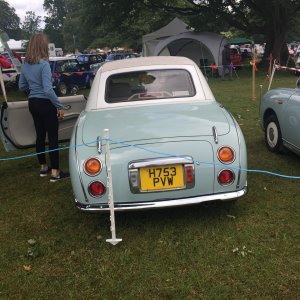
(189, 174)
(96, 189)
(226, 177)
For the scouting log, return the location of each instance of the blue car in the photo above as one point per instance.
(280, 119)
(69, 76)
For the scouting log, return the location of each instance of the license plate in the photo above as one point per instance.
(161, 177)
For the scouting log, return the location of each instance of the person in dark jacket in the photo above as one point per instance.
(226, 62)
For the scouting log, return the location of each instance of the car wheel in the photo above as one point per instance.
(62, 89)
(273, 136)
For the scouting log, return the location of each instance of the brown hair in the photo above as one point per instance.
(37, 48)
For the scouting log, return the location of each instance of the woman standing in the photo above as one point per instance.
(43, 103)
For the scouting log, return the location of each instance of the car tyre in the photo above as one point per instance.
(62, 89)
(273, 137)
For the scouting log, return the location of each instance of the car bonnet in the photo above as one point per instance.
(156, 122)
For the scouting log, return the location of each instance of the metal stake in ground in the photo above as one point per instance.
(113, 240)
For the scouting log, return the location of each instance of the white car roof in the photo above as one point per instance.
(146, 61)
(96, 99)
(54, 58)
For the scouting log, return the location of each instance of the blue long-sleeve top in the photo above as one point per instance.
(37, 79)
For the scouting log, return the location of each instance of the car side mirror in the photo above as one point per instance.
(298, 83)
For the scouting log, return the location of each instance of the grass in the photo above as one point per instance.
(246, 251)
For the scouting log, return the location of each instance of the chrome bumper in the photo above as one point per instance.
(162, 203)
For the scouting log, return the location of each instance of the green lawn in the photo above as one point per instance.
(246, 251)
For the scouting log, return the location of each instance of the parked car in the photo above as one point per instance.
(95, 67)
(297, 64)
(280, 119)
(171, 142)
(68, 75)
(115, 56)
(87, 59)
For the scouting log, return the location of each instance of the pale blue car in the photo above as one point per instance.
(280, 119)
(168, 141)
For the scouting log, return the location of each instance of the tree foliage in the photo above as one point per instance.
(9, 21)
(56, 14)
(31, 24)
(111, 23)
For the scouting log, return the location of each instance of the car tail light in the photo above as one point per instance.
(97, 189)
(226, 155)
(189, 174)
(92, 166)
(226, 177)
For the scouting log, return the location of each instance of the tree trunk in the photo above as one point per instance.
(276, 33)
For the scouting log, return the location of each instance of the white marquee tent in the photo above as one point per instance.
(177, 39)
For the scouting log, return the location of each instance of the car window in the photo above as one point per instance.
(149, 85)
(93, 59)
(83, 58)
(71, 67)
(64, 66)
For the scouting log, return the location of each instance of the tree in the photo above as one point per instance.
(56, 12)
(31, 24)
(9, 21)
(110, 23)
(272, 18)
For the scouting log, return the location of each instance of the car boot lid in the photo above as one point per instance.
(156, 122)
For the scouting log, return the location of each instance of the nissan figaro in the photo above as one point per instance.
(155, 126)
(280, 119)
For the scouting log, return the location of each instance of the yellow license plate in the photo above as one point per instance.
(161, 177)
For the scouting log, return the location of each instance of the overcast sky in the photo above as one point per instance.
(21, 6)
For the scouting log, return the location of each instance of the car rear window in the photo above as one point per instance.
(149, 85)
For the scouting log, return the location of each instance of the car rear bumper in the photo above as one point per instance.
(162, 203)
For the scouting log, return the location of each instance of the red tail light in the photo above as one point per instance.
(97, 189)
(189, 174)
(226, 177)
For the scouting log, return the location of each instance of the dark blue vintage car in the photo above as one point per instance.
(69, 76)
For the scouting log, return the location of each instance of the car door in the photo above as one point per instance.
(17, 128)
(291, 124)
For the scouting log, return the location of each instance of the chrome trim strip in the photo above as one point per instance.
(160, 162)
(291, 146)
(239, 142)
(99, 144)
(78, 168)
(162, 203)
(215, 134)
